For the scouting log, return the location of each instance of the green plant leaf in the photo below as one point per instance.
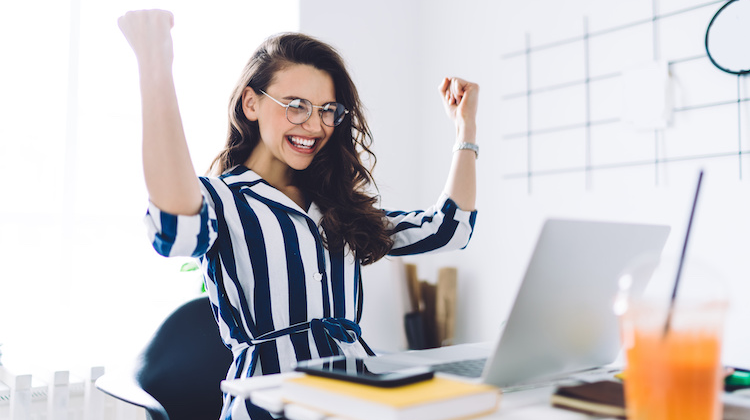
(189, 266)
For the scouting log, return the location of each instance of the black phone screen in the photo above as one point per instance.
(369, 371)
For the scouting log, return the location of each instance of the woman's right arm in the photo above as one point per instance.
(170, 177)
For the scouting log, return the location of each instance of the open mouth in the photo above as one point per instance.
(302, 144)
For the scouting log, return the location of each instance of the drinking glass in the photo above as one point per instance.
(672, 346)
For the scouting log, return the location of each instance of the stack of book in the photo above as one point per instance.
(603, 398)
(607, 398)
(434, 399)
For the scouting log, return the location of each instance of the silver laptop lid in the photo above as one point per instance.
(562, 318)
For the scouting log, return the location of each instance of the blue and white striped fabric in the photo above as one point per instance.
(277, 293)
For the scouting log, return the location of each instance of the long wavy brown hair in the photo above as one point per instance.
(336, 180)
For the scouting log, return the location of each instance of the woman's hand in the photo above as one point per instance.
(460, 100)
(148, 33)
(167, 166)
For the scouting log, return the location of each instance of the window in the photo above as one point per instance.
(80, 282)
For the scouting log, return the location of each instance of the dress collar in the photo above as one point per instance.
(242, 178)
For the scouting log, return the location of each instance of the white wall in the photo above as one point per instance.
(74, 252)
(398, 51)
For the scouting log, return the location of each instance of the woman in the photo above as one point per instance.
(285, 223)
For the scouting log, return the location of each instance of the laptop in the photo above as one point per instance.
(562, 320)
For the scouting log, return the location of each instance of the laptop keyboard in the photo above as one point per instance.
(471, 368)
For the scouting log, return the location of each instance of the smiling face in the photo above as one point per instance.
(283, 146)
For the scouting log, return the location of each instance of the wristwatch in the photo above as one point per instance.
(464, 145)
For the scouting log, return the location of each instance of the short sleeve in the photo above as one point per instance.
(441, 227)
(180, 235)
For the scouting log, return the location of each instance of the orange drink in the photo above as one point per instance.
(674, 374)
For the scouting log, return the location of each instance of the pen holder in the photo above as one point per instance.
(415, 334)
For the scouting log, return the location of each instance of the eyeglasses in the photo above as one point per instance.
(299, 110)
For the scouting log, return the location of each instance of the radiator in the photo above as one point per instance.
(60, 395)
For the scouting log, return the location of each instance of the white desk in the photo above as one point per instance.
(519, 405)
(530, 404)
(533, 404)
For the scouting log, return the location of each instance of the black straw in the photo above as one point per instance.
(682, 256)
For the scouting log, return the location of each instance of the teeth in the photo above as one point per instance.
(301, 142)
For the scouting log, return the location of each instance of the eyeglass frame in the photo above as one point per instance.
(309, 114)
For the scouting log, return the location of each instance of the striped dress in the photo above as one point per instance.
(278, 294)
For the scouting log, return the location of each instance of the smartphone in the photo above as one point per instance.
(369, 371)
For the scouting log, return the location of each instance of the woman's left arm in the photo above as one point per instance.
(460, 99)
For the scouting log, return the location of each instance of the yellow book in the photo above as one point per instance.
(435, 399)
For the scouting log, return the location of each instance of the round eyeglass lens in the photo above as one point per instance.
(333, 113)
(298, 111)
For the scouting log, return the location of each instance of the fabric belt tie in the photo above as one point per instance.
(341, 329)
